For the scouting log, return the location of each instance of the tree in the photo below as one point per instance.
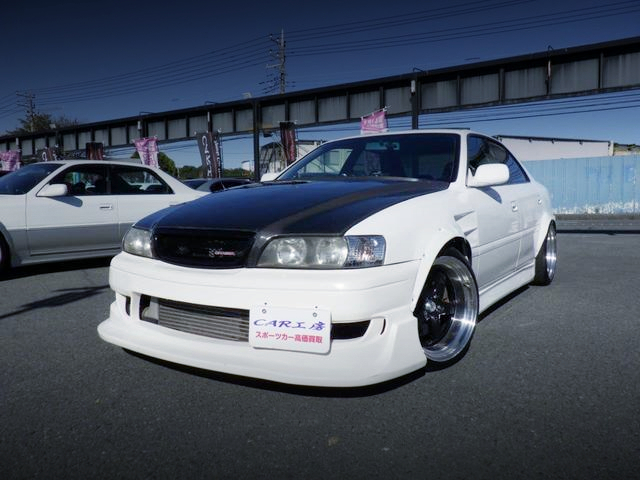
(189, 171)
(165, 162)
(237, 172)
(42, 122)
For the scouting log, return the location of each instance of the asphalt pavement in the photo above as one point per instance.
(549, 389)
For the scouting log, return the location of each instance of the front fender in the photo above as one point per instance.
(434, 244)
(546, 219)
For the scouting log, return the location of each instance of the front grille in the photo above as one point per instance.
(203, 249)
(214, 322)
(220, 322)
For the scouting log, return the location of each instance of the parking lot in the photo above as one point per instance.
(550, 388)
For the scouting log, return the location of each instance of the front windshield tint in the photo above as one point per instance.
(25, 178)
(425, 156)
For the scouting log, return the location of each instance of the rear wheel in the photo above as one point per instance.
(448, 308)
(547, 259)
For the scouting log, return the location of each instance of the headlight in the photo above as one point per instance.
(324, 252)
(137, 242)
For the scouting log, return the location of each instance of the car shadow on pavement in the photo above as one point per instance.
(500, 303)
(68, 295)
(54, 267)
(610, 231)
(329, 392)
(436, 367)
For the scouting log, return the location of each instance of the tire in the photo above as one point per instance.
(448, 308)
(4, 255)
(547, 259)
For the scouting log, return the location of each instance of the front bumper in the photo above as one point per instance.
(382, 295)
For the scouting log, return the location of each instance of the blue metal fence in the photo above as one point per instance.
(599, 185)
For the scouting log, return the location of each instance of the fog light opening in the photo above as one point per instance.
(384, 326)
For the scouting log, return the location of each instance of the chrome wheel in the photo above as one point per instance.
(448, 309)
(551, 254)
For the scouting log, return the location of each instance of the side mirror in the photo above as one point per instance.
(267, 177)
(54, 190)
(488, 175)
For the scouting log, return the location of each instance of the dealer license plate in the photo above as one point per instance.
(300, 329)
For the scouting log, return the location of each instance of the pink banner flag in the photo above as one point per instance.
(288, 138)
(374, 123)
(10, 160)
(147, 148)
(95, 150)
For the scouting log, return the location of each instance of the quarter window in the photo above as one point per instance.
(134, 180)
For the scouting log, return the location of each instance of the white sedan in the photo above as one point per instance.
(62, 210)
(359, 263)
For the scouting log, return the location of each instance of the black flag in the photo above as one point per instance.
(209, 145)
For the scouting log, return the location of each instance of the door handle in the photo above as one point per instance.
(106, 206)
(514, 207)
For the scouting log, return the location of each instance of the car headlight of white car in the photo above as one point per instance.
(137, 241)
(293, 252)
(324, 252)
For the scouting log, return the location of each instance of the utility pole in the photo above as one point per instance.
(28, 102)
(280, 59)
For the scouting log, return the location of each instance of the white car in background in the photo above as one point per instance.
(51, 211)
(359, 263)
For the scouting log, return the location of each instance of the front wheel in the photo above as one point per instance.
(547, 259)
(448, 308)
(4, 255)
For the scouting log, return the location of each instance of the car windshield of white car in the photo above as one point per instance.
(425, 156)
(25, 178)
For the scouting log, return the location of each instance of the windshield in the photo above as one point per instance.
(25, 178)
(423, 156)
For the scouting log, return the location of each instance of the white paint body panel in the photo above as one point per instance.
(503, 226)
(381, 294)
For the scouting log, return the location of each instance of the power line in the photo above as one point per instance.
(198, 62)
(313, 41)
(536, 110)
(386, 22)
(496, 27)
(244, 55)
(174, 79)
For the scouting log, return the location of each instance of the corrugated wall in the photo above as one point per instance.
(604, 185)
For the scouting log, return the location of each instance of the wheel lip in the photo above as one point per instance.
(551, 252)
(463, 324)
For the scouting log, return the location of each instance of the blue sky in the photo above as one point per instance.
(95, 61)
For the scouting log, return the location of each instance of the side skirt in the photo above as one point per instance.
(503, 287)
